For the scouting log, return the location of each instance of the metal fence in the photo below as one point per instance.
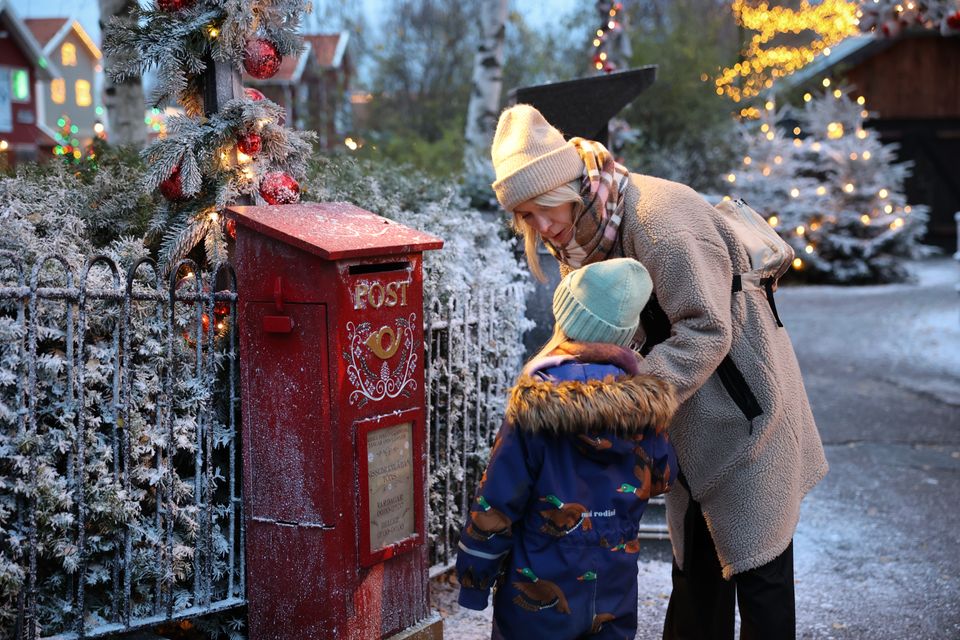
(119, 500)
(119, 452)
(473, 351)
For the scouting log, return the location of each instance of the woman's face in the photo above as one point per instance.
(554, 224)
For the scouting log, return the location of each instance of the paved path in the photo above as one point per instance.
(878, 547)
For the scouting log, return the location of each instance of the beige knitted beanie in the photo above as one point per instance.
(530, 157)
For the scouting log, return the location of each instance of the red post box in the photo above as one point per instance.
(331, 345)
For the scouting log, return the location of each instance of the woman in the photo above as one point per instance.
(733, 514)
(555, 519)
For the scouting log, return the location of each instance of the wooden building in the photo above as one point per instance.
(23, 136)
(912, 85)
(69, 105)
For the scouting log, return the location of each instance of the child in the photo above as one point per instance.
(554, 523)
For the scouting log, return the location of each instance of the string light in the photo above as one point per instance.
(883, 193)
(830, 21)
(865, 155)
(794, 193)
(865, 219)
(821, 190)
(731, 178)
(773, 221)
(747, 160)
(797, 263)
(808, 248)
(800, 230)
(848, 188)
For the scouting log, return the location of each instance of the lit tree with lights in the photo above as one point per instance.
(838, 196)
(770, 52)
(230, 145)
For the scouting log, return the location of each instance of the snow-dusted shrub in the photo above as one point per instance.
(43, 213)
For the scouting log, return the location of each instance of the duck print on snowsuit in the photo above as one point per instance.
(556, 516)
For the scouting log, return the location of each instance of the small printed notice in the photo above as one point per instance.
(390, 482)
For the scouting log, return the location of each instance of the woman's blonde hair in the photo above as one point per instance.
(557, 338)
(569, 192)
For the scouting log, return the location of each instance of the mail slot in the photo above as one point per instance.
(330, 319)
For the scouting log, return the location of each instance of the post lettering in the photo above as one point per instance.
(378, 295)
(391, 300)
(358, 295)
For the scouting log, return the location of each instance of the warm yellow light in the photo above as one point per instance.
(837, 93)
(213, 32)
(773, 221)
(731, 178)
(907, 209)
(794, 193)
(883, 193)
(866, 155)
(747, 160)
(766, 170)
(835, 130)
(98, 127)
(727, 198)
(849, 187)
(599, 33)
(821, 190)
(826, 82)
(351, 144)
(800, 230)
(777, 159)
(797, 263)
(68, 55)
(815, 146)
(769, 105)
(599, 66)
(213, 216)
(243, 158)
(808, 248)
(861, 134)
(864, 114)
(797, 142)
(765, 127)
(82, 89)
(603, 55)
(861, 100)
(896, 224)
(3, 145)
(796, 131)
(770, 135)
(814, 226)
(58, 90)
(888, 208)
(611, 24)
(827, 51)
(807, 97)
(865, 219)
(596, 42)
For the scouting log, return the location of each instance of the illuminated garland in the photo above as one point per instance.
(604, 38)
(831, 21)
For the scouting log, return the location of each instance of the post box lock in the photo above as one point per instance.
(278, 324)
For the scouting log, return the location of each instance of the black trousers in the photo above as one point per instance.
(701, 604)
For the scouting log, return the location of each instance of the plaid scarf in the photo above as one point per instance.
(598, 224)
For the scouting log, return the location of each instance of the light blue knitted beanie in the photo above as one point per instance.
(601, 302)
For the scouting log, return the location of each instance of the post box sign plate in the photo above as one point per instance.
(390, 506)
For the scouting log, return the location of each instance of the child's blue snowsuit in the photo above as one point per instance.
(554, 522)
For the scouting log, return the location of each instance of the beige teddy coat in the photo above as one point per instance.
(749, 484)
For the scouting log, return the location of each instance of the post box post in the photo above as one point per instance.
(330, 320)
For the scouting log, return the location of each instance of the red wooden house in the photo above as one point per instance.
(22, 65)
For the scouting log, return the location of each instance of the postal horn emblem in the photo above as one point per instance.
(375, 342)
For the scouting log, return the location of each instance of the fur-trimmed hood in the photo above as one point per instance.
(550, 396)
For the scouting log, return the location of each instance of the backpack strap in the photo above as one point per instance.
(656, 326)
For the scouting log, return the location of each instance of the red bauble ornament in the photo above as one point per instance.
(174, 5)
(249, 143)
(953, 21)
(172, 187)
(254, 94)
(260, 59)
(279, 188)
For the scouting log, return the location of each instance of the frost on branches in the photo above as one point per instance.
(209, 159)
(56, 473)
(835, 193)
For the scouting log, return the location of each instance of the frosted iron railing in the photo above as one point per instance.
(119, 421)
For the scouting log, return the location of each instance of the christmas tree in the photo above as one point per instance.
(230, 145)
(836, 195)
